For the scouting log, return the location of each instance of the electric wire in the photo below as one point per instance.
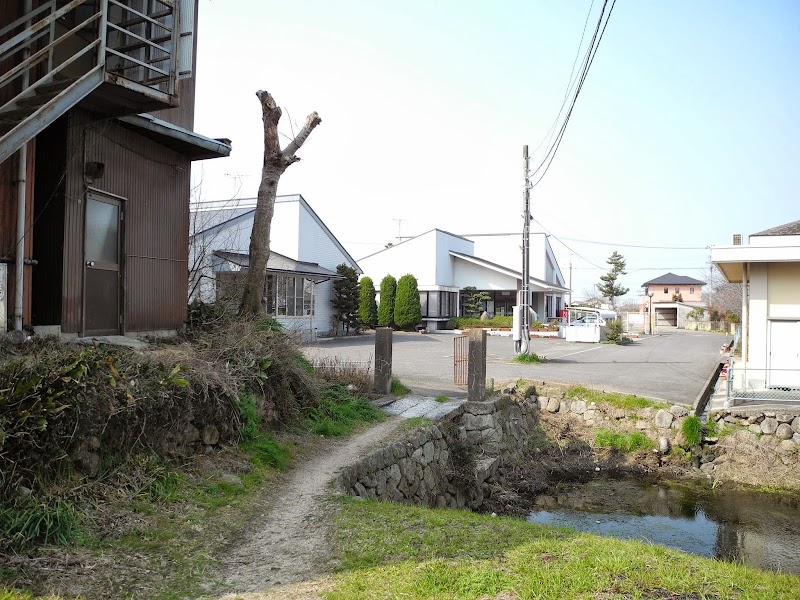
(570, 84)
(591, 53)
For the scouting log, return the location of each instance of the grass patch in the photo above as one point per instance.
(416, 423)
(624, 442)
(530, 359)
(398, 388)
(33, 522)
(262, 448)
(442, 399)
(339, 413)
(624, 401)
(394, 551)
(692, 431)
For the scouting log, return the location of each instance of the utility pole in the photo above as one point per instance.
(525, 300)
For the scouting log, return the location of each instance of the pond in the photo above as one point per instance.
(760, 530)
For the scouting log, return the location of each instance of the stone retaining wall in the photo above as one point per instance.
(451, 463)
(456, 461)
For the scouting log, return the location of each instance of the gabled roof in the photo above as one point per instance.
(672, 279)
(278, 263)
(506, 271)
(792, 228)
(244, 208)
(411, 239)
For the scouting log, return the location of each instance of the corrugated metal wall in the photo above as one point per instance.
(155, 184)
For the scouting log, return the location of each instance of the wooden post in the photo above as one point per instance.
(476, 366)
(383, 360)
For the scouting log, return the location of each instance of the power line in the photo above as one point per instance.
(570, 83)
(565, 246)
(591, 241)
(587, 64)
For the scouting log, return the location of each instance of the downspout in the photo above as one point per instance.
(745, 313)
(19, 264)
(22, 171)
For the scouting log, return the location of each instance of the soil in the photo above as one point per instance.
(289, 542)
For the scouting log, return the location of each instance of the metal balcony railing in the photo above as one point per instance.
(58, 53)
(748, 385)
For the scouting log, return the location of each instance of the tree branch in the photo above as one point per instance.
(271, 114)
(289, 152)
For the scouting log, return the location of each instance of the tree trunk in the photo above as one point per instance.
(276, 161)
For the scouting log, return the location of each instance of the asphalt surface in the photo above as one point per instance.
(672, 367)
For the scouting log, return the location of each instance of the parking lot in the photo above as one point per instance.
(671, 367)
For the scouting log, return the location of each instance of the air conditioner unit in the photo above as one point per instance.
(737, 239)
(3, 296)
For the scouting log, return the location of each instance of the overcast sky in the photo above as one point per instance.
(686, 130)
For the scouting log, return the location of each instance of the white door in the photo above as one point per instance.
(784, 354)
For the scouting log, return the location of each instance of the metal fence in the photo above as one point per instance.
(762, 385)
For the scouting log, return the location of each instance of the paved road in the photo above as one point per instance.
(672, 367)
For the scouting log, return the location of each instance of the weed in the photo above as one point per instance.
(692, 431)
(263, 449)
(416, 423)
(39, 522)
(398, 388)
(531, 358)
(442, 399)
(346, 372)
(339, 413)
(624, 442)
(623, 401)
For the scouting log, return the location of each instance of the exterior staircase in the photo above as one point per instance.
(113, 57)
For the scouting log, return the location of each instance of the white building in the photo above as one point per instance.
(301, 268)
(444, 264)
(769, 269)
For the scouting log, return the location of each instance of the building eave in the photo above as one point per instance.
(184, 141)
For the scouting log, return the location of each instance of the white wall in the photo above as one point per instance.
(757, 317)
(445, 243)
(467, 273)
(416, 256)
(507, 252)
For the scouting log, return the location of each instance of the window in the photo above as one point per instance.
(290, 296)
(423, 303)
(691, 291)
(677, 290)
(666, 290)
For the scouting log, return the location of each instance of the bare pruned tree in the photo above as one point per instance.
(276, 161)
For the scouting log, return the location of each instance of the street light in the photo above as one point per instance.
(650, 312)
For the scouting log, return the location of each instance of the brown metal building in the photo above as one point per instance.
(104, 241)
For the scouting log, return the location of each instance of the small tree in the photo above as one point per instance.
(472, 301)
(367, 307)
(407, 308)
(697, 313)
(386, 307)
(345, 298)
(609, 288)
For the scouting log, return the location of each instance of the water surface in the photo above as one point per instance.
(760, 530)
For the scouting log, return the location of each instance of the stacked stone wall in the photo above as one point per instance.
(452, 463)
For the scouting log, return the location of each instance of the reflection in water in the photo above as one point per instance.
(760, 530)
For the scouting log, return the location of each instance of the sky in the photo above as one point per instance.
(686, 130)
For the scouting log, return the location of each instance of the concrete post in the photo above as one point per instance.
(476, 366)
(383, 360)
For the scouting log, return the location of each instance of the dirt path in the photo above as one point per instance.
(289, 541)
